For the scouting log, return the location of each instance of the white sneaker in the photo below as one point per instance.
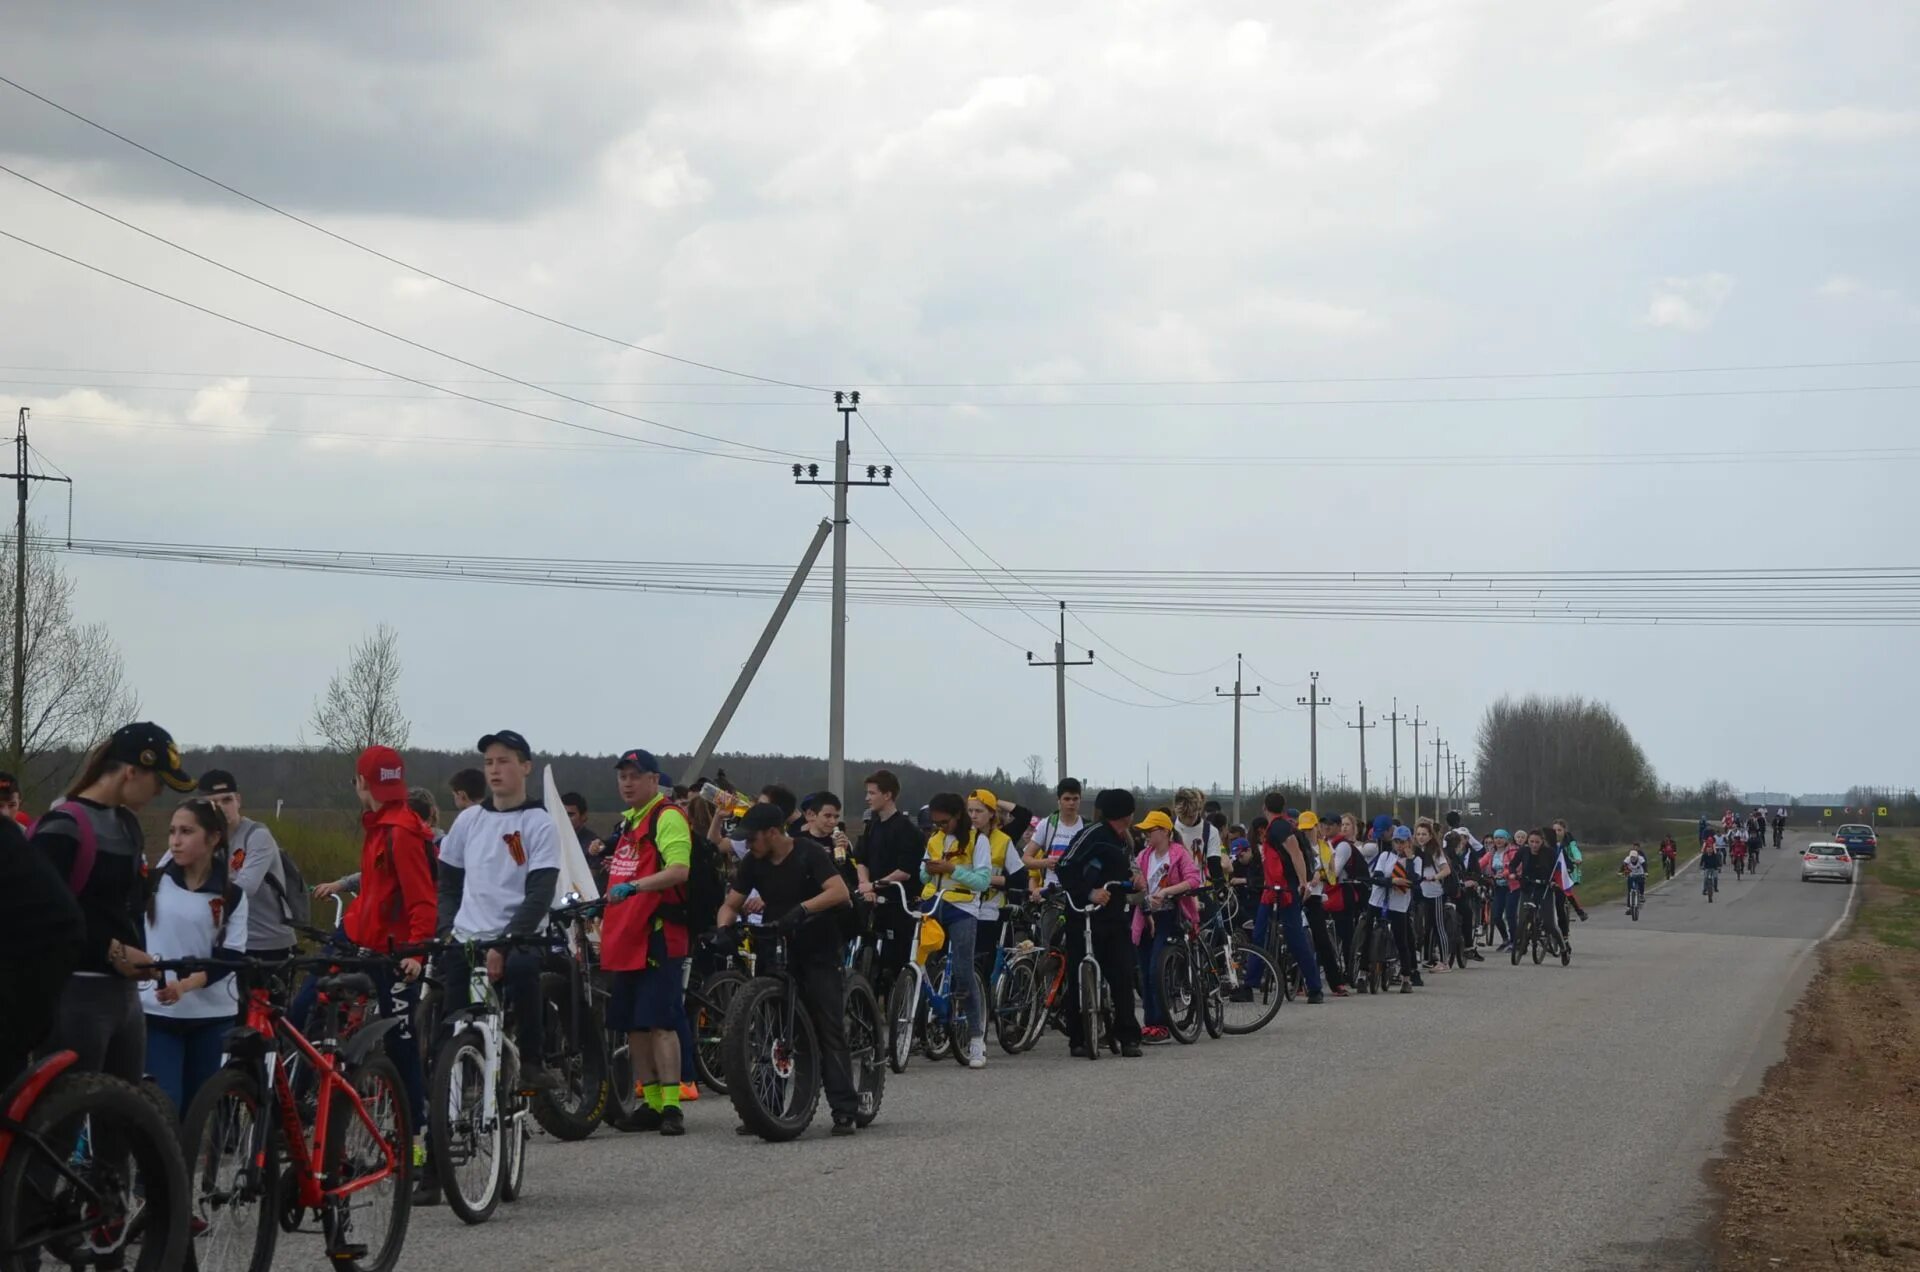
(977, 1054)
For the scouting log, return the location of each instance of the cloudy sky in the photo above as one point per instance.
(1263, 222)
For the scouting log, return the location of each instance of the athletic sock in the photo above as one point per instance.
(655, 1096)
(669, 1095)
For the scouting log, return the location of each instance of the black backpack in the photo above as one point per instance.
(706, 886)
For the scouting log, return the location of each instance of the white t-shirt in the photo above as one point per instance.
(1155, 866)
(1430, 886)
(188, 924)
(1392, 898)
(1202, 841)
(497, 849)
(1052, 836)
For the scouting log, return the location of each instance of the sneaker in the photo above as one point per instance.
(1156, 1035)
(537, 1077)
(1406, 986)
(1130, 1050)
(743, 1129)
(672, 1121)
(977, 1054)
(1078, 1051)
(1476, 956)
(1316, 997)
(426, 1189)
(689, 1092)
(1416, 981)
(644, 1119)
(1340, 991)
(843, 1124)
(1581, 913)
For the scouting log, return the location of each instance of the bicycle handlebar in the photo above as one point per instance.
(1122, 886)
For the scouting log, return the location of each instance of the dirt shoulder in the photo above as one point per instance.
(1823, 1167)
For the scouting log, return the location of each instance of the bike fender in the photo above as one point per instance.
(365, 1038)
(31, 1086)
(462, 1016)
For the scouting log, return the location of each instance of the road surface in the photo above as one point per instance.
(1503, 1117)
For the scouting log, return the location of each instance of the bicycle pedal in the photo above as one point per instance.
(353, 1250)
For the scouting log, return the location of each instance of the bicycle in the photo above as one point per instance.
(1538, 935)
(1374, 960)
(1235, 974)
(1710, 882)
(1636, 895)
(354, 1169)
(771, 1055)
(1096, 996)
(1739, 864)
(1666, 863)
(477, 1115)
(924, 1000)
(575, 1039)
(1014, 1003)
(65, 1194)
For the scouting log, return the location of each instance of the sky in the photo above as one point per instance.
(983, 217)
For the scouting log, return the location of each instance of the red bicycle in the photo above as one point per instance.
(293, 1124)
(90, 1173)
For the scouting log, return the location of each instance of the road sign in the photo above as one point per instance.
(1826, 812)
(1881, 811)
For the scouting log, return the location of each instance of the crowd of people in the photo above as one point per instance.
(87, 914)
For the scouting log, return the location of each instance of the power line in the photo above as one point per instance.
(393, 260)
(341, 357)
(378, 330)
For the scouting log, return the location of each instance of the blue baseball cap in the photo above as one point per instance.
(1401, 834)
(1382, 824)
(642, 761)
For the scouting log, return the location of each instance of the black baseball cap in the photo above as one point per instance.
(509, 739)
(218, 782)
(146, 745)
(761, 817)
(644, 761)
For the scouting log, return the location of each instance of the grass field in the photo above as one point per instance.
(1891, 912)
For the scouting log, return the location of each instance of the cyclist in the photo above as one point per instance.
(891, 850)
(644, 940)
(1710, 859)
(1193, 827)
(972, 859)
(1706, 831)
(1779, 825)
(1634, 866)
(1738, 850)
(1393, 872)
(1287, 871)
(1571, 851)
(1539, 870)
(1503, 876)
(1434, 871)
(1101, 856)
(1163, 876)
(1669, 853)
(258, 868)
(1756, 837)
(1046, 843)
(1326, 902)
(797, 881)
(499, 868)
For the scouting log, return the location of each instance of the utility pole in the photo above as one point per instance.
(1438, 770)
(1363, 726)
(1418, 724)
(17, 742)
(1313, 702)
(1236, 695)
(1395, 720)
(845, 403)
(1060, 665)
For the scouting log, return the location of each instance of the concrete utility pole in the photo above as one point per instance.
(1362, 727)
(1060, 665)
(1313, 702)
(1395, 720)
(846, 404)
(1439, 776)
(1418, 724)
(1236, 695)
(698, 763)
(17, 742)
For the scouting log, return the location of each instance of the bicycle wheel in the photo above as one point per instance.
(366, 1228)
(1179, 1001)
(773, 1076)
(902, 1007)
(1016, 997)
(866, 1048)
(935, 1036)
(133, 1208)
(1254, 989)
(622, 1100)
(516, 1135)
(1540, 939)
(580, 1103)
(1523, 933)
(708, 1015)
(233, 1216)
(1456, 943)
(1213, 1001)
(1052, 977)
(466, 1145)
(1090, 989)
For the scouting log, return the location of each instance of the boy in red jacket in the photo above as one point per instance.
(396, 908)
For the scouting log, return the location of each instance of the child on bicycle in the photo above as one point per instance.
(1634, 866)
(1710, 859)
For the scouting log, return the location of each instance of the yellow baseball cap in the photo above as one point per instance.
(1308, 821)
(1155, 820)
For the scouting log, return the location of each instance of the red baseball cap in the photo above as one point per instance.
(385, 773)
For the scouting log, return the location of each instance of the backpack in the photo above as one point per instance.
(289, 888)
(87, 843)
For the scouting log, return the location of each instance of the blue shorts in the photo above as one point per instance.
(653, 998)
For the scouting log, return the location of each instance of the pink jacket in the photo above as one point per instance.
(1181, 868)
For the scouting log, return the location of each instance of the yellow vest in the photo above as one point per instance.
(965, 854)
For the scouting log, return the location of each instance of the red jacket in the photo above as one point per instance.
(397, 905)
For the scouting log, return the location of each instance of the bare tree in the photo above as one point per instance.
(77, 690)
(361, 707)
(1036, 768)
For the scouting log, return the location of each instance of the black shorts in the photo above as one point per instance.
(650, 999)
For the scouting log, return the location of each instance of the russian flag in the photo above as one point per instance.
(1562, 873)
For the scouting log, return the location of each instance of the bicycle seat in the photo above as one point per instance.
(347, 984)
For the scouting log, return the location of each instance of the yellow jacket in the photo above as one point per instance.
(973, 869)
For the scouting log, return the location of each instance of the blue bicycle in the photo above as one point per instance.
(924, 1002)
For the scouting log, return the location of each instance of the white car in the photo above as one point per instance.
(1826, 861)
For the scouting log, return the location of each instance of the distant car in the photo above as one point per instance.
(1860, 840)
(1826, 861)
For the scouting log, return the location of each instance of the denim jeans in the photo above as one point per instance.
(1293, 925)
(183, 1053)
(1165, 926)
(962, 928)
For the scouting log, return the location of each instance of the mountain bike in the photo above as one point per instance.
(1536, 930)
(925, 999)
(1240, 988)
(1014, 1003)
(1375, 956)
(90, 1173)
(1636, 895)
(771, 1053)
(1739, 864)
(575, 1037)
(477, 1114)
(1710, 882)
(1666, 863)
(249, 1123)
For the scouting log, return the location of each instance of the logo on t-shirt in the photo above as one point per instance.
(216, 905)
(515, 848)
(239, 857)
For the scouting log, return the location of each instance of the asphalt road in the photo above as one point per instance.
(1503, 1117)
